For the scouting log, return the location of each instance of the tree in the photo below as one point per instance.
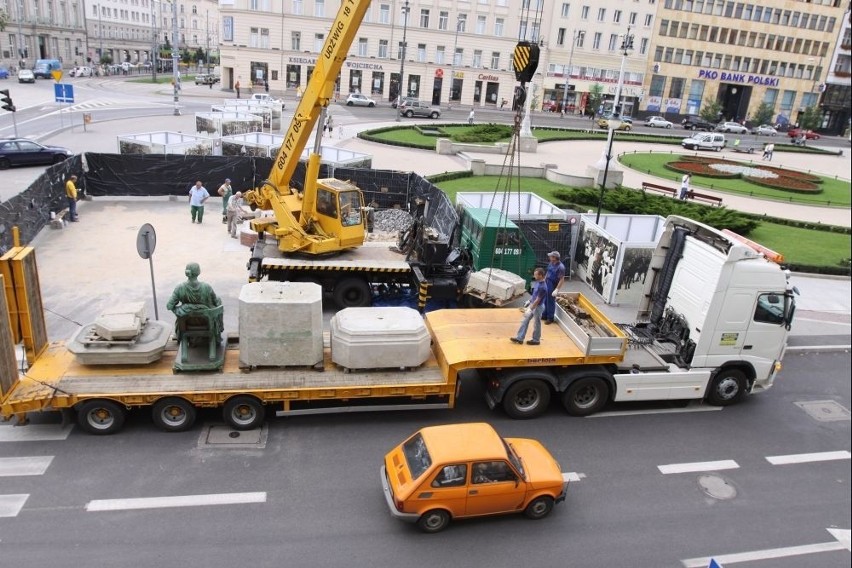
(595, 97)
(710, 110)
(810, 118)
(763, 114)
(199, 55)
(106, 58)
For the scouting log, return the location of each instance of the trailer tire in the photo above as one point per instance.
(243, 412)
(433, 521)
(727, 387)
(539, 507)
(101, 417)
(352, 293)
(525, 399)
(173, 414)
(585, 396)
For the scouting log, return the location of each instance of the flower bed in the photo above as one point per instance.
(766, 176)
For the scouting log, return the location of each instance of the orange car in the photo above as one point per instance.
(467, 470)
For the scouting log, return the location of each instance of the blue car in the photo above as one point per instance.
(4, 73)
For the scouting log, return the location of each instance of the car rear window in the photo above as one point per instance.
(416, 456)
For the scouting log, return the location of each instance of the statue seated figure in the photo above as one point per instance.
(199, 314)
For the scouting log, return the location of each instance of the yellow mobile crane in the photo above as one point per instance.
(326, 217)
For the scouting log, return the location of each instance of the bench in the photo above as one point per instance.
(711, 199)
(659, 188)
(58, 221)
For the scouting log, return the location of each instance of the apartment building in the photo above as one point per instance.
(741, 53)
(42, 29)
(837, 92)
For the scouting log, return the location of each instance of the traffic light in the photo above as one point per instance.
(6, 100)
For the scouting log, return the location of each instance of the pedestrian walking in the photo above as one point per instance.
(266, 85)
(684, 187)
(225, 191)
(237, 88)
(234, 205)
(554, 279)
(329, 126)
(470, 117)
(197, 196)
(533, 309)
(71, 197)
(770, 150)
(503, 103)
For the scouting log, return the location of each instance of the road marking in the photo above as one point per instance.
(806, 458)
(34, 433)
(842, 543)
(176, 501)
(697, 466)
(691, 408)
(572, 476)
(13, 467)
(11, 505)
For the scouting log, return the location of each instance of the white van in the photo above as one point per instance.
(705, 141)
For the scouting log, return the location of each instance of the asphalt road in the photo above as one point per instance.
(310, 496)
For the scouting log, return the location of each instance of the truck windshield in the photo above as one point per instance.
(514, 458)
(416, 456)
(350, 208)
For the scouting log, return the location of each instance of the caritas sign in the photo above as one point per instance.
(738, 77)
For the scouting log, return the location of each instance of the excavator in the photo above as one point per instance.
(327, 216)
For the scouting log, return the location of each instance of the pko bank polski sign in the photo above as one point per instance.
(738, 78)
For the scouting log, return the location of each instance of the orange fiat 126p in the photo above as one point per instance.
(467, 470)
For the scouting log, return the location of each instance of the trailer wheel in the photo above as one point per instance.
(727, 387)
(433, 521)
(244, 413)
(173, 414)
(352, 293)
(585, 396)
(526, 399)
(539, 507)
(101, 417)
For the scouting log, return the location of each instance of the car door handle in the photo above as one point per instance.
(745, 347)
(473, 492)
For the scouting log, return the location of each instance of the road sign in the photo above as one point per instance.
(56, 74)
(64, 92)
(146, 242)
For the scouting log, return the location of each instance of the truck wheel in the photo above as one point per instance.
(352, 293)
(433, 521)
(585, 396)
(173, 414)
(101, 417)
(727, 387)
(526, 399)
(539, 507)
(244, 413)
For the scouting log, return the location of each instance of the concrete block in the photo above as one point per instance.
(495, 284)
(280, 324)
(121, 322)
(379, 338)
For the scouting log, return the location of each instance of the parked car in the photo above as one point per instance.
(695, 122)
(419, 108)
(467, 470)
(395, 102)
(357, 99)
(266, 98)
(705, 141)
(26, 76)
(657, 122)
(765, 130)
(81, 72)
(205, 79)
(626, 123)
(4, 73)
(731, 127)
(24, 152)
(809, 134)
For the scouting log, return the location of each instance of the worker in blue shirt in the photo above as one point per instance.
(554, 280)
(533, 310)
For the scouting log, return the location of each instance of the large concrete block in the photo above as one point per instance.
(280, 324)
(378, 338)
(495, 284)
(123, 321)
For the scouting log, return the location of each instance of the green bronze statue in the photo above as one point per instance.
(194, 298)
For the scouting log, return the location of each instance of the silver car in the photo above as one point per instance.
(357, 99)
(732, 127)
(419, 108)
(765, 130)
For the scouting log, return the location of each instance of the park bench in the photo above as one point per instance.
(659, 189)
(711, 199)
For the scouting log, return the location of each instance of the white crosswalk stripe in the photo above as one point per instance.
(34, 433)
(808, 458)
(11, 505)
(13, 467)
(697, 466)
(176, 501)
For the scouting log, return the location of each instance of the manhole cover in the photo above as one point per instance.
(717, 487)
(825, 410)
(221, 436)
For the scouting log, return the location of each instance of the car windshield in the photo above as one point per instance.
(416, 456)
(514, 458)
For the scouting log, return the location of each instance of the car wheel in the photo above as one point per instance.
(434, 115)
(539, 507)
(526, 399)
(585, 396)
(727, 387)
(371, 105)
(433, 521)
(409, 114)
(349, 103)
(668, 126)
(4, 164)
(694, 127)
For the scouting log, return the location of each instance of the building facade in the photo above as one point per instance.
(43, 29)
(741, 54)
(837, 91)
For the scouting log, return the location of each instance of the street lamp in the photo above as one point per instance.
(613, 124)
(453, 63)
(402, 61)
(175, 70)
(154, 47)
(577, 35)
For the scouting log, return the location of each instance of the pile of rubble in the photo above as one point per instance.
(388, 223)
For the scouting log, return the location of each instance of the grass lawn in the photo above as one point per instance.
(835, 192)
(800, 246)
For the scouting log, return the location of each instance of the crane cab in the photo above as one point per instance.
(339, 211)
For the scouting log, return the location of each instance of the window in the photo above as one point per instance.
(319, 8)
(770, 309)
(319, 39)
(461, 23)
(560, 36)
(421, 52)
(439, 55)
(451, 476)
(495, 59)
(384, 14)
(498, 27)
(416, 456)
(643, 46)
(492, 472)
(480, 25)
(458, 56)
(362, 47)
(424, 18)
(649, 19)
(296, 41)
(584, 13)
(601, 14)
(297, 7)
(596, 43)
(616, 17)
(613, 42)
(399, 50)
(383, 48)
(477, 58)
(565, 9)
(632, 19)
(443, 18)
(254, 40)
(264, 38)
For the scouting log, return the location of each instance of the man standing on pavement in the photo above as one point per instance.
(470, 117)
(197, 196)
(237, 88)
(225, 192)
(554, 280)
(71, 196)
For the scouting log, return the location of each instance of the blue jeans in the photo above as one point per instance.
(535, 316)
(72, 208)
(550, 302)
